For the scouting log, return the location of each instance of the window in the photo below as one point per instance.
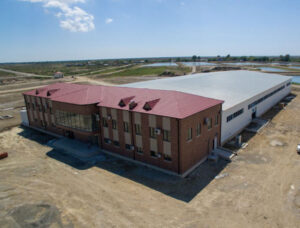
(139, 150)
(154, 154)
(190, 134)
(209, 123)
(234, 115)
(104, 122)
(217, 120)
(114, 124)
(137, 129)
(198, 129)
(116, 143)
(76, 121)
(265, 97)
(167, 157)
(166, 136)
(152, 132)
(128, 147)
(126, 126)
(28, 105)
(107, 141)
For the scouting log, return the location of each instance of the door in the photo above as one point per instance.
(215, 142)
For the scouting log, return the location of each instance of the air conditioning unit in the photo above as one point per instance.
(109, 117)
(97, 117)
(132, 147)
(157, 131)
(109, 141)
(158, 155)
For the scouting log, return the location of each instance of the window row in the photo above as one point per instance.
(76, 121)
(208, 122)
(152, 131)
(234, 115)
(265, 97)
(139, 150)
(40, 107)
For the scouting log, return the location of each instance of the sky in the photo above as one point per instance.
(50, 30)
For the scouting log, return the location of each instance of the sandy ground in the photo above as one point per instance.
(259, 188)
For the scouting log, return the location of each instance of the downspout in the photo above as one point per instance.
(178, 138)
(131, 131)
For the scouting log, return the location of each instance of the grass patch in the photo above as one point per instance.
(143, 71)
(6, 74)
(48, 69)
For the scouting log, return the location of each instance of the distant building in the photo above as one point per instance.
(58, 75)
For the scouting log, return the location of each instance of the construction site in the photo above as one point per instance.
(45, 186)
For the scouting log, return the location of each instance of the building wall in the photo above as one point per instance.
(143, 140)
(173, 153)
(41, 114)
(236, 125)
(194, 150)
(78, 109)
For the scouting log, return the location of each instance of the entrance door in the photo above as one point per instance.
(215, 142)
(254, 115)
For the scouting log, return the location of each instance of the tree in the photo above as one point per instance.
(228, 57)
(199, 58)
(285, 58)
(194, 58)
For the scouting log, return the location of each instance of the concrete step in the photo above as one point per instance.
(224, 153)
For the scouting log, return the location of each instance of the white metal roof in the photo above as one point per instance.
(233, 87)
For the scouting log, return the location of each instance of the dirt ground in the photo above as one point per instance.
(41, 187)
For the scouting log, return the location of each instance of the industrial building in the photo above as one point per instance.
(246, 94)
(172, 123)
(171, 130)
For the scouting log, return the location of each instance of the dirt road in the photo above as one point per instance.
(259, 188)
(23, 74)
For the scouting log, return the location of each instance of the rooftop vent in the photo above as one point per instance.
(132, 105)
(125, 101)
(51, 91)
(149, 105)
(37, 91)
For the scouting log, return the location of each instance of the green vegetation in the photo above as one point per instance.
(6, 74)
(68, 68)
(141, 71)
(109, 70)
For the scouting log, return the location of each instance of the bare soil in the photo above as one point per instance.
(41, 187)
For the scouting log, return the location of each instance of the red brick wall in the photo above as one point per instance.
(193, 151)
(61, 130)
(184, 154)
(145, 157)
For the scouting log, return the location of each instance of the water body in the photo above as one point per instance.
(245, 64)
(271, 69)
(198, 64)
(160, 64)
(296, 79)
(294, 67)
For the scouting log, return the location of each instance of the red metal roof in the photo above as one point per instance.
(162, 102)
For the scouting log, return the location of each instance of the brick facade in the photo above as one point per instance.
(184, 153)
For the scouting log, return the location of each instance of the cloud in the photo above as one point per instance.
(71, 18)
(108, 20)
